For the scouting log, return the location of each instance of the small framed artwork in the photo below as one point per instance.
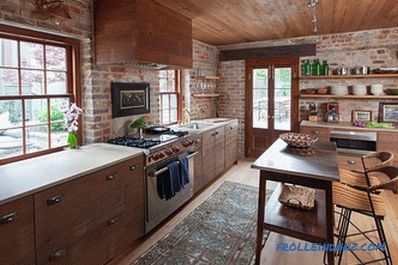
(361, 115)
(130, 99)
(388, 112)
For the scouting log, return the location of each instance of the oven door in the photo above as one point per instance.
(354, 143)
(157, 209)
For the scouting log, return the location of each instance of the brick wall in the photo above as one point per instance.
(376, 48)
(96, 80)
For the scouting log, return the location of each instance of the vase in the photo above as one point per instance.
(73, 140)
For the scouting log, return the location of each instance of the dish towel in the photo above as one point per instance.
(184, 168)
(168, 183)
(174, 170)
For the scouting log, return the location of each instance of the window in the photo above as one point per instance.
(169, 86)
(38, 75)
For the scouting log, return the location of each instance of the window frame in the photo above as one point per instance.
(72, 47)
(177, 92)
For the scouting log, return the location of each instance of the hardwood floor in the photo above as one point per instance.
(242, 173)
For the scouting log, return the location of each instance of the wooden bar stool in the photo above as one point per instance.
(365, 200)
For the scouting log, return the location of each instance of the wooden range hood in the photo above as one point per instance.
(141, 31)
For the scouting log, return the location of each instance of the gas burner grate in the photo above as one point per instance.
(134, 142)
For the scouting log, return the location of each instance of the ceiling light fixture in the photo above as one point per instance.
(312, 4)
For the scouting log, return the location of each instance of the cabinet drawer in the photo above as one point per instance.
(97, 244)
(61, 209)
(350, 162)
(322, 133)
(16, 232)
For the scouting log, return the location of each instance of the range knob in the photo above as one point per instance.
(185, 143)
(168, 152)
(161, 155)
(175, 149)
(156, 157)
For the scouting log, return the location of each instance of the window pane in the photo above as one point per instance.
(10, 113)
(173, 101)
(32, 55)
(32, 82)
(165, 102)
(55, 105)
(260, 98)
(10, 143)
(173, 115)
(166, 117)
(56, 83)
(36, 111)
(283, 85)
(170, 85)
(8, 82)
(8, 53)
(59, 134)
(162, 85)
(55, 58)
(170, 74)
(36, 138)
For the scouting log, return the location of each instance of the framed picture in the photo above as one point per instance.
(388, 112)
(361, 115)
(130, 99)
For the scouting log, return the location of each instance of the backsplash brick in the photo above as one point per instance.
(96, 80)
(375, 48)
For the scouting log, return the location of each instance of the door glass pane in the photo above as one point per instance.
(10, 143)
(260, 98)
(283, 89)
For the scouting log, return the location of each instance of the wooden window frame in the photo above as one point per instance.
(73, 81)
(177, 92)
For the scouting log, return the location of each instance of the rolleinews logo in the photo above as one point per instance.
(313, 247)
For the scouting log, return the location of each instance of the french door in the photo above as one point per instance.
(271, 102)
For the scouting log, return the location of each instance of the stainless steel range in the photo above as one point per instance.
(160, 150)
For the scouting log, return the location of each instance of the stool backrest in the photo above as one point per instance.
(391, 183)
(377, 160)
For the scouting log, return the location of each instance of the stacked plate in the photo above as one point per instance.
(359, 90)
(339, 90)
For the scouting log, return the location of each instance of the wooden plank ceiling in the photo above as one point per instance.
(221, 22)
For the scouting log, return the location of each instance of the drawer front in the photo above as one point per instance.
(350, 162)
(388, 142)
(97, 244)
(322, 133)
(17, 232)
(61, 209)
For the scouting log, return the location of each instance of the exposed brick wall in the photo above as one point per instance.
(96, 80)
(376, 48)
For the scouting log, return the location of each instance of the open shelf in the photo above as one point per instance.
(304, 225)
(348, 96)
(348, 76)
(205, 95)
(206, 77)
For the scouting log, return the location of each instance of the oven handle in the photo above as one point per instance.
(164, 169)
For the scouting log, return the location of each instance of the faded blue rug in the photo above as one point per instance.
(222, 230)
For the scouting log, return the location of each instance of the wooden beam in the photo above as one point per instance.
(269, 52)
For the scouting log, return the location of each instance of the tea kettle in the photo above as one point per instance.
(332, 115)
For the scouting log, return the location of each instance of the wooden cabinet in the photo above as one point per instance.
(350, 162)
(388, 141)
(219, 151)
(142, 31)
(231, 143)
(88, 220)
(198, 174)
(17, 232)
(322, 133)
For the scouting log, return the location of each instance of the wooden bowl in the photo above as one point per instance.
(300, 140)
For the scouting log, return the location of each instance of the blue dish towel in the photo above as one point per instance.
(169, 182)
(184, 168)
(174, 170)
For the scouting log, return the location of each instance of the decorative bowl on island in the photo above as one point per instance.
(298, 140)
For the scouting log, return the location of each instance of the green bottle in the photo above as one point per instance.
(325, 68)
(302, 67)
(316, 68)
(307, 68)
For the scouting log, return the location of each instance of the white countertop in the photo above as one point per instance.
(344, 125)
(32, 175)
(212, 125)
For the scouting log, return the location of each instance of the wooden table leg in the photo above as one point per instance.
(329, 219)
(260, 218)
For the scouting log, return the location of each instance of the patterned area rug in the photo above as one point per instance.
(222, 230)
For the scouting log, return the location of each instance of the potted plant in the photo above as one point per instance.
(71, 118)
(139, 124)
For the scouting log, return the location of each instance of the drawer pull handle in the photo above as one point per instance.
(112, 221)
(351, 162)
(55, 200)
(111, 177)
(133, 167)
(57, 254)
(9, 218)
(314, 132)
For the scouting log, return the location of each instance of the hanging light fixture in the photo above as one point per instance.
(312, 4)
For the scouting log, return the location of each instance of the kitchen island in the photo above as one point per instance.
(317, 169)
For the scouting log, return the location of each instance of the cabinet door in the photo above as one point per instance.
(388, 141)
(208, 156)
(322, 133)
(219, 151)
(16, 232)
(198, 174)
(231, 144)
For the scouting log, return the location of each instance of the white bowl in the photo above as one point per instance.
(339, 90)
(359, 90)
(377, 89)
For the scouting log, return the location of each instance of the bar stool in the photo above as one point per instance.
(365, 200)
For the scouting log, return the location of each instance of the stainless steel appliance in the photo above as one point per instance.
(354, 142)
(160, 150)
